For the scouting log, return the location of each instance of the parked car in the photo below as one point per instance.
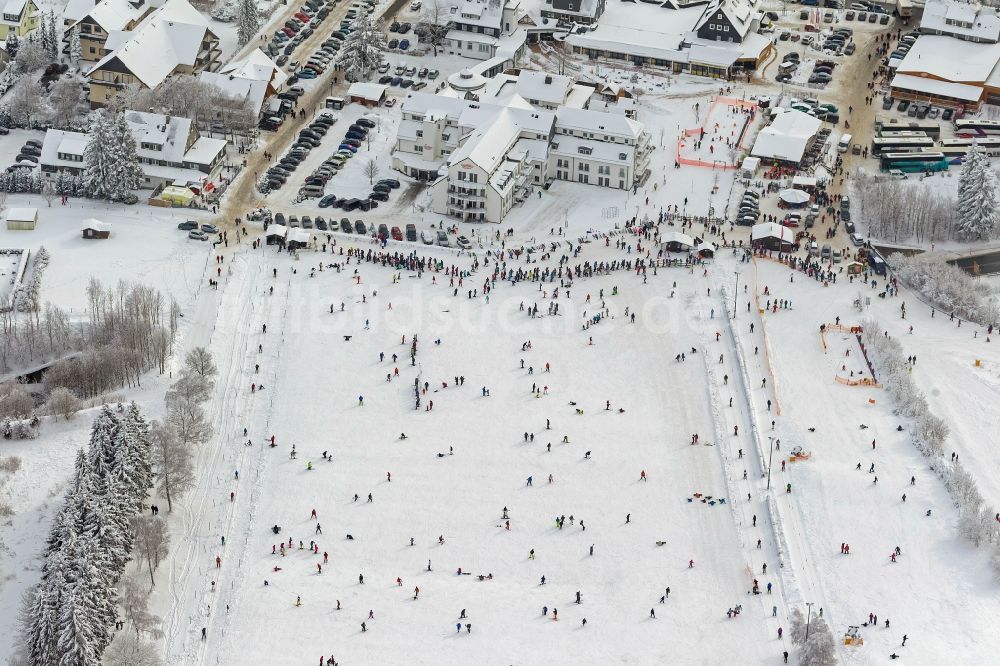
(463, 242)
(427, 237)
(345, 226)
(188, 226)
(197, 235)
(359, 227)
(411, 232)
(210, 228)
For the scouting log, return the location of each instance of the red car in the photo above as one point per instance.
(397, 234)
(302, 17)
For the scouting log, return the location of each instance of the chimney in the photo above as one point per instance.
(548, 79)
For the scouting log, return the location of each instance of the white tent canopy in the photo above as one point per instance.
(772, 230)
(678, 237)
(794, 196)
(277, 230)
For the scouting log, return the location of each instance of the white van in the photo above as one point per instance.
(845, 143)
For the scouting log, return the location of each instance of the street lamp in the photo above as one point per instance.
(736, 293)
(808, 617)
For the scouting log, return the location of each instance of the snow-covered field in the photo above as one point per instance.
(145, 245)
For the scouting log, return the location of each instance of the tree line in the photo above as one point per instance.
(130, 329)
(84, 597)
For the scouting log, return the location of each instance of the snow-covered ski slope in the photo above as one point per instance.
(939, 592)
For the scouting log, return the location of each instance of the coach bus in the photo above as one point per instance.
(977, 127)
(891, 144)
(916, 162)
(932, 130)
(989, 146)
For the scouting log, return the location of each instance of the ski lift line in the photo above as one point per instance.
(255, 494)
(775, 543)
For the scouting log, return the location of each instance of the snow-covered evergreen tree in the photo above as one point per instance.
(364, 49)
(977, 197)
(75, 51)
(128, 172)
(112, 165)
(98, 158)
(53, 36)
(248, 20)
(11, 45)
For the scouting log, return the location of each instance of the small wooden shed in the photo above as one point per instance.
(22, 219)
(93, 229)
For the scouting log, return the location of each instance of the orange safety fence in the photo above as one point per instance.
(864, 381)
(728, 101)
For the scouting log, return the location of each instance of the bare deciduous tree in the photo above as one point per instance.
(436, 21)
(371, 169)
(172, 462)
(63, 402)
(199, 361)
(26, 100)
(152, 541)
(190, 387)
(128, 650)
(134, 600)
(15, 401)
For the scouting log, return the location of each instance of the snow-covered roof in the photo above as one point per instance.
(787, 137)
(639, 28)
(921, 85)
(544, 87)
(367, 91)
(476, 12)
(205, 150)
(170, 133)
(174, 32)
(739, 13)
(22, 214)
(95, 225)
(595, 121)
(677, 237)
(489, 144)
(966, 21)
(14, 7)
(76, 10)
(772, 230)
(951, 59)
(58, 142)
(277, 230)
(256, 66)
(117, 14)
(617, 153)
(253, 92)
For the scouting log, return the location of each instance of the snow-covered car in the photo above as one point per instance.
(463, 242)
(197, 235)
(427, 237)
(210, 228)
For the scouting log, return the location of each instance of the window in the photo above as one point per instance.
(461, 175)
(151, 146)
(622, 156)
(621, 173)
(420, 133)
(725, 28)
(70, 157)
(474, 177)
(585, 150)
(583, 178)
(417, 148)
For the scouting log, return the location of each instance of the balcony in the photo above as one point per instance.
(466, 193)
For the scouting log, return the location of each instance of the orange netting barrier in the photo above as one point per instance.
(864, 381)
(728, 101)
